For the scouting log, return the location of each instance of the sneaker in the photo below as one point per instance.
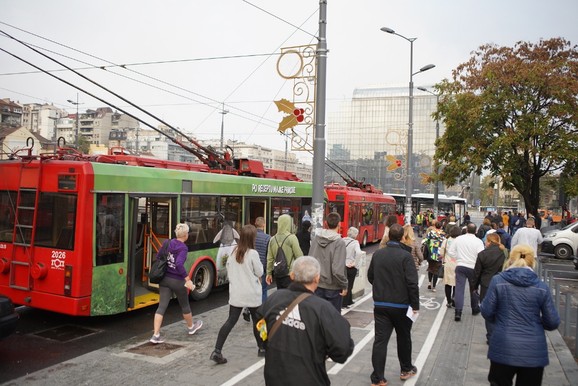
(261, 352)
(246, 315)
(156, 339)
(476, 312)
(218, 358)
(198, 324)
(408, 374)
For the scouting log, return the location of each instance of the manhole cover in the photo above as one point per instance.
(155, 350)
(359, 319)
(66, 333)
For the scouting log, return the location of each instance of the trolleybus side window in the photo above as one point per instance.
(201, 215)
(109, 229)
(230, 209)
(290, 206)
(7, 205)
(55, 221)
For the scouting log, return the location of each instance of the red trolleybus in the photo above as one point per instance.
(365, 208)
(78, 234)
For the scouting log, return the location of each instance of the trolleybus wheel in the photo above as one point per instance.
(364, 241)
(203, 277)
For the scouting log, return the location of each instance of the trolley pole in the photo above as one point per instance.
(317, 208)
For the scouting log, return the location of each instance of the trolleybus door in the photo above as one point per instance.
(152, 220)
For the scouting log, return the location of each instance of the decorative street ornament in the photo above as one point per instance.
(294, 115)
(426, 179)
(394, 163)
(299, 64)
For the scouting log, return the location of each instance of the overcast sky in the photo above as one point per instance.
(188, 92)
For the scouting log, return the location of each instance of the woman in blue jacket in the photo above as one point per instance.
(521, 308)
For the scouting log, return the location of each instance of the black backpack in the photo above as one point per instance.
(280, 267)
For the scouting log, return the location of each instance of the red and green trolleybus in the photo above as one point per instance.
(78, 233)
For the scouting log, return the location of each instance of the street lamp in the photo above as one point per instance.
(409, 166)
(223, 112)
(76, 133)
(436, 166)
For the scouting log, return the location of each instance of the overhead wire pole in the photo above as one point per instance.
(317, 207)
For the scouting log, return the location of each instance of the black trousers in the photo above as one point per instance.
(386, 320)
(234, 313)
(502, 375)
(351, 274)
(283, 282)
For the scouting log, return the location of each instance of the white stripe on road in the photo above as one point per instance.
(244, 374)
(428, 344)
(363, 342)
(420, 361)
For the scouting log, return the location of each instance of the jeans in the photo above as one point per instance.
(332, 296)
(463, 274)
(264, 286)
(387, 319)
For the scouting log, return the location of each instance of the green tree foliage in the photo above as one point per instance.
(512, 111)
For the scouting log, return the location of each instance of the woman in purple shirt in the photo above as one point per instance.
(176, 281)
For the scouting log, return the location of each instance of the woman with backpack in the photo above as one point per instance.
(433, 241)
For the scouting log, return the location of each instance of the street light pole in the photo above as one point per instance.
(317, 208)
(436, 166)
(409, 160)
(223, 112)
(76, 131)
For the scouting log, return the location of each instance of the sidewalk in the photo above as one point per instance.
(446, 353)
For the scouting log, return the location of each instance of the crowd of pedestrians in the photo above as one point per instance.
(300, 325)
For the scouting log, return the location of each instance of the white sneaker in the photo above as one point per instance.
(156, 339)
(196, 326)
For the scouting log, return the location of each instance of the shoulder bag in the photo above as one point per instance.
(262, 326)
(159, 266)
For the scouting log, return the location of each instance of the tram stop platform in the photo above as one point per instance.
(446, 353)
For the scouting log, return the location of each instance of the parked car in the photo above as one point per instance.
(563, 243)
(8, 317)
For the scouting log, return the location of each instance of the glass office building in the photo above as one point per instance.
(367, 138)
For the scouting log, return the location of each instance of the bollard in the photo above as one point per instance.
(576, 341)
(546, 276)
(557, 297)
(551, 280)
(568, 305)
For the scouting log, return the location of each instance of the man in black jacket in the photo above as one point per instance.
(395, 288)
(312, 332)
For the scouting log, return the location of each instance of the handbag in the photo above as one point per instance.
(262, 324)
(441, 271)
(159, 266)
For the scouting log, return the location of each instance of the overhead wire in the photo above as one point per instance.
(197, 151)
(125, 66)
(265, 60)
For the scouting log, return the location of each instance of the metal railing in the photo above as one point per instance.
(565, 293)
